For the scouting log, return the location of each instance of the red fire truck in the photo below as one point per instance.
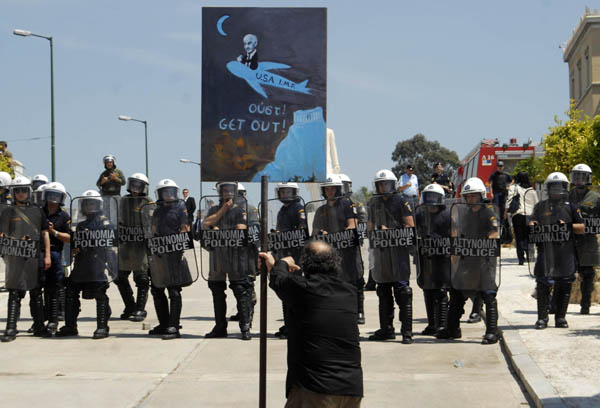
(482, 160)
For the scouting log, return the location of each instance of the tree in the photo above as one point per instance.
(575, 141)
(532, 166)
(363, 195)
(6, 165)
(423, 155)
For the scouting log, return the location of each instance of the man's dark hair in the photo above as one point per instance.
(320, 257)
(522, 179)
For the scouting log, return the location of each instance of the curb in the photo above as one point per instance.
(537, 385)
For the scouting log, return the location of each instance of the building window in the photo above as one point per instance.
(587, 67)
(579, 89)
(572, 86)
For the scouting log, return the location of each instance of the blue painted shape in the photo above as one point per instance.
(301, 154)
(261, 76)
(220, 25)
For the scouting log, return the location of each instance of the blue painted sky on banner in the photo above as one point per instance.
(455, 71)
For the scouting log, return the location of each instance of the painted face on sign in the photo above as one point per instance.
(250, 43)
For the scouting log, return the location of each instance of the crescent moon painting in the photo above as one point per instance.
(220, 25)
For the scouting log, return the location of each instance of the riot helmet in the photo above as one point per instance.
(581, 175)
(166, 191)
(241, 189)
(54, 192)
(286, 191)
(138, 183)
(347, 184)
(384, 182)
(38, 195)
(37, 181)
(473, 187)
(20, 189)
(432, 194)
(333, 181)
(109, 158)
(227, 190)
(90, 203)
(5, 181)
(557, 186)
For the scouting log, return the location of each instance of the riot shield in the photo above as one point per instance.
(432, 224)
(328, 221)
(475, 251)
(224, 234)
(132, 233)
(171, 255)
(587, 245)
(390, 237)
(288, 232)
(20, 245)
(550, 229)
(94, 239)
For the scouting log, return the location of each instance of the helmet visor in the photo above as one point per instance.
(579, 178)
(430, 197)
(136, 186)
(285, 194)
(54, 197)
(385, 187)
(36, 183)
(89, 206)
(168, 194)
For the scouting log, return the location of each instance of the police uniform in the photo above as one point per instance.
(18, 278)
(232, 263)
(588, 254)
(556, 262)
(434, 276)
(391, 267)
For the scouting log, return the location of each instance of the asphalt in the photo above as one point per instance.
(132, 369)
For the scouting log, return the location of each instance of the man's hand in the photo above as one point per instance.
(47, 261)
(114, 176)
(292, 267)
(239, 59)
(268, 259)
(51, 229)
(103, 180)
(228, 204)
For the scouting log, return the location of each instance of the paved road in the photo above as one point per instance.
(131, 369)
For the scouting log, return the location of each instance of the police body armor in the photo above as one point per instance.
(94, 242)
(327, 221)
(132, 233)
(553, 237)
(226, 242)
(433, 246)
(475, 247)
(20, 245)
(171, 254)
(389, 238)
(288, 233)
(588, 249)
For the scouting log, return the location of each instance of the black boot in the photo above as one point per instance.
(406, 314)
(442, 308)
(61, 303)
(36, 305)
(430, 307)
(174, 315)
(491, 319)
(386, 314)
(102, 316)
(475, 316)
(142, 297)
(361, 302)
(543, 295)
(14, 308)
(587, 287)
(71, 313)
(455, 311)
(161, 306)
(553, 301)
(282, 332)
(563, 294)
(127, 296)
(220, 307)
(244, 299)
(52, 311)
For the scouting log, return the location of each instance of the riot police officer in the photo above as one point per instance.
(391, 269)
(588, 255)
(290, 217)
(54, 197)
(229, 262)
(132, 252)
(169, 271)
(39, 180)
(92, 245)
(20, 222)
(474, 275)
(5, 181)
(112, 178)
(556, 260)
(361, 225)
(433, 229)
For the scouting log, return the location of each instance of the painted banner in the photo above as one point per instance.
(264, 82)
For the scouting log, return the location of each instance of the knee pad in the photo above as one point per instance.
(488, 297)
(406, 291)
(141, 279)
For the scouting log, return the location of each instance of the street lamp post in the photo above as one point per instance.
(25, 33)
(128, 118)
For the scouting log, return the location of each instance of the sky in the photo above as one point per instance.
(458, 72)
